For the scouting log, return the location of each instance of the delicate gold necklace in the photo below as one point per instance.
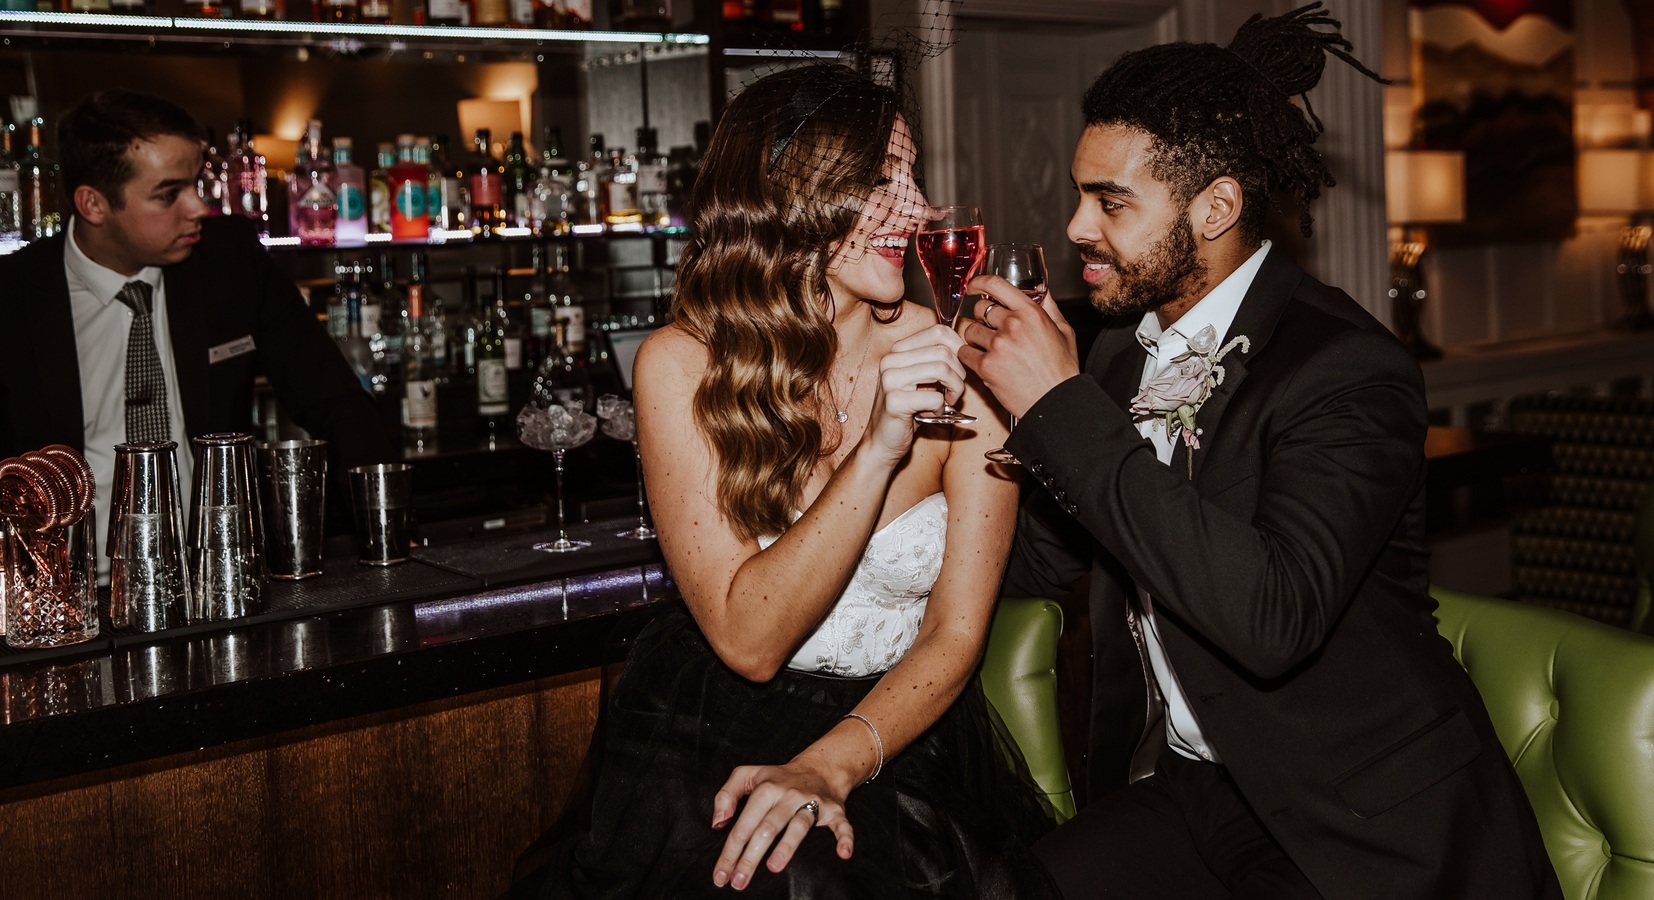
(855, 386)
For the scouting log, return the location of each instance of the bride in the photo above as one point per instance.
(811, 727)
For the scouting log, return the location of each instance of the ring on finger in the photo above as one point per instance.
(988, 309)
(813, 807)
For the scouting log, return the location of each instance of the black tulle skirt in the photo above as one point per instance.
(950, 816)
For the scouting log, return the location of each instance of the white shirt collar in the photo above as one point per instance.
(95, 278)
(1217, 309)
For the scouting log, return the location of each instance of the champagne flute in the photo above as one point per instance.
(950, 248)
(1023, 265)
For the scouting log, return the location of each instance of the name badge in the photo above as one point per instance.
(241, 346)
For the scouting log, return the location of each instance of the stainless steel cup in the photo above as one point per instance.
(226, 531)
(292, 492)
(148, 590)
(382, 498)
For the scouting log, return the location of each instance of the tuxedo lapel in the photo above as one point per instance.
(48, 320)
(1116, 361)
(1265, 300)
(189, 323)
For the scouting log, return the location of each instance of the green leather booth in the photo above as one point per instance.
(1571, 699)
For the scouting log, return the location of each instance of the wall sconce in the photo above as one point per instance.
(1621, 183)
(1421, 187)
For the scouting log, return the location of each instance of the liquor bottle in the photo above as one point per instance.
(489, 13)
(436, 316)
(260, 9)
(212, 182)
(506, 325)
(449, 13)
(484, 176)
(245, 173)
(379, 190)
(562, 377)
(409, 185)
(340, 11)
(205, 9)
(516, 184)
(374, 12)
(419, 375)
(568, 308)
(552, 208)
(131, 7)
(577, 14)
(547, 14)
(538, 308)
(89, 6)
(470, 326)
(588, 185)
(621, 183)
(338, 306)
(37, 179)
(355, 345)
(521, 13)
(370, 316)
(11, 197)
(652, 195)
(449, 197)
(785, 14)
(680, 181)
(826, 16)
(316, 202)
(353, 208)
(493, 376)
(393, 311)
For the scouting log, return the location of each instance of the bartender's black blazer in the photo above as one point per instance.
(1289, 574)
(228, 289)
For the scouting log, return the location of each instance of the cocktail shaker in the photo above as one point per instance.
(148, 590)
(226, 531)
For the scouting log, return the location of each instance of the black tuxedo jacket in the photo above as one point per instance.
(229, 289)
(1289, 576)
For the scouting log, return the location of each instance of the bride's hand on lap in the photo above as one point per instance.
(774, 815)
(908, 378)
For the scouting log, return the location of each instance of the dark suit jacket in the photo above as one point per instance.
(228, 289)
(1289, 577)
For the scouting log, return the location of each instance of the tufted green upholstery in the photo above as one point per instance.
(1644, 555)
(1019, 677)
(1573, 703)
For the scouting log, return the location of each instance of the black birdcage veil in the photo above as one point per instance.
(840, 134)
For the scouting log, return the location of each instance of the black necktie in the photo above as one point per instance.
(146, 388)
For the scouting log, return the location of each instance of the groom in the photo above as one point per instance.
(1240, 468)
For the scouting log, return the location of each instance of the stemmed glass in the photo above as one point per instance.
(950, 248)
(556, 420)
(620, 422)
(1023, 265)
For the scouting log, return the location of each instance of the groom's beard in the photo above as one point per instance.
(1157, 277)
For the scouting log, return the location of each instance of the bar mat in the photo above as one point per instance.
(14, 656)
(509, 559)
(343, 584)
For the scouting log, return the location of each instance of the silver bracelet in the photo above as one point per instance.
(877, 742)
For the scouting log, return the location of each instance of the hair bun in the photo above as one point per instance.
(1287, 50)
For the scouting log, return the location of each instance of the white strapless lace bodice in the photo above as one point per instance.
(877, 617)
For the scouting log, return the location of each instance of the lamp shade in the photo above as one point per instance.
(1616, 182)
(1424, 186)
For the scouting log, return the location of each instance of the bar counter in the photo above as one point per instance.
(403, 731)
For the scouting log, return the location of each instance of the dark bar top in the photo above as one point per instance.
(457, 619)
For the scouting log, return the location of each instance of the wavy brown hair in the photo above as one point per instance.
(784, 180)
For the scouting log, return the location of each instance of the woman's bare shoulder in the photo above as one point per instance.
(671, 353)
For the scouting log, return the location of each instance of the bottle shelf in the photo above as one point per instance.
(19, 28)
(505, 237)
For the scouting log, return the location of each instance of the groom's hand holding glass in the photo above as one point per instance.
(1020, 349)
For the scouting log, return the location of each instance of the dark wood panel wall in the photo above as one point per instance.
(432, 801)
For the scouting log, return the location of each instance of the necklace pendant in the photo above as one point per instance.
(843, 417)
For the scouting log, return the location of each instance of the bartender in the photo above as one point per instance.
(147, 320)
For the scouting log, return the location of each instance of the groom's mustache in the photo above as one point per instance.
(1092, 254)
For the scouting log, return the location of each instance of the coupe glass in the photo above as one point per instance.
(556, 420)
(1023, 265)
(950, 248)
(620, 422)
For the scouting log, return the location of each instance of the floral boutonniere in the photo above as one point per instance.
(1173, 397)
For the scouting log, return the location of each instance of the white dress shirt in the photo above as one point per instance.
(102, 325)
(1217, 309)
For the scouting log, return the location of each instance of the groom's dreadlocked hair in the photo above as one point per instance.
(1214, 111)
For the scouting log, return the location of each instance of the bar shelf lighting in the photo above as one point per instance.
(87, 24)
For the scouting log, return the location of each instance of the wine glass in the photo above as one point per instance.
(950, 248)
(1023, 265)
(620, 422)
